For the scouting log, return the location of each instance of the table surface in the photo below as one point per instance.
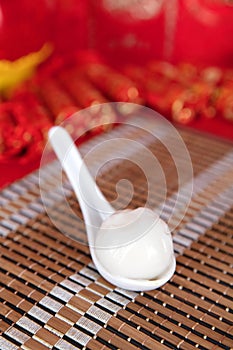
(52, 296)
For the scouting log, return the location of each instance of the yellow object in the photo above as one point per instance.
(13, 73)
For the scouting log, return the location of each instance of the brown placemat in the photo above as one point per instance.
(52, 296)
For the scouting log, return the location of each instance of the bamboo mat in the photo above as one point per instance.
(51, 294)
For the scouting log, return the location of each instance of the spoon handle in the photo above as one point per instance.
(94, 206)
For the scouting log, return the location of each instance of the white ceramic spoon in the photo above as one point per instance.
(96, 209)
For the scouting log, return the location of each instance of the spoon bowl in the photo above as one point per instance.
(96, 210)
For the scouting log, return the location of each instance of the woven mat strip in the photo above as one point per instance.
(52, 296)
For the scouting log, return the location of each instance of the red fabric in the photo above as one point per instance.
(24, 27)
(203, 33)
(12, 170)
(196, 31)
(217, 126)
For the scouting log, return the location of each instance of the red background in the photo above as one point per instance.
(201, 34)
